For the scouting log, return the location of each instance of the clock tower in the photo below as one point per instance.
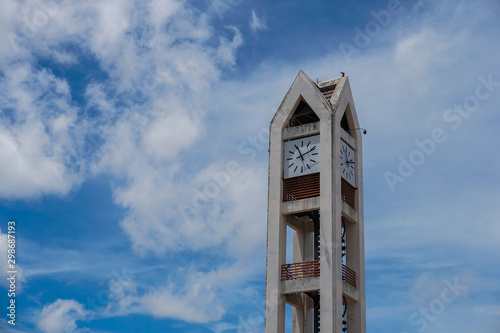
(316, 193)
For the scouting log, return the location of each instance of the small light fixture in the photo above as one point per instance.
(364, 130)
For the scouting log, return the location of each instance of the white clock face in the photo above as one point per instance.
(347, 163)
(301, 156)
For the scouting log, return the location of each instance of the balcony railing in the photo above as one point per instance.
(306, 269)
(299, 270)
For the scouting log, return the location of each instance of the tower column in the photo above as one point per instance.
(330, 230)
(303, 250)
(276, 239)
(302, 315)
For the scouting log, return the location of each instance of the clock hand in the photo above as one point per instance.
(313, 148)
(301, 156)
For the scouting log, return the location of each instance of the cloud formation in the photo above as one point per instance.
(256, 23)
(61, 317)
(153, 56)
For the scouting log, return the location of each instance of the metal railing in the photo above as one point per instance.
(299, 270)
(306, 269)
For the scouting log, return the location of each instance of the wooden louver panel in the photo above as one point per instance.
(348, 275)
(308, 269)
(301, 187)
(348, 194)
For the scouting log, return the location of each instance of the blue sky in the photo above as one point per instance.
(116, 117)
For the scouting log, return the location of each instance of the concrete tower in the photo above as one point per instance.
(316, 189)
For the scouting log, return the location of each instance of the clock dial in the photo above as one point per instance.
(301, 156)
(347, 163)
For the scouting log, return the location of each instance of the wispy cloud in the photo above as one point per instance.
(226, 52)
(61, 316)
(36, 132)
(256, 23)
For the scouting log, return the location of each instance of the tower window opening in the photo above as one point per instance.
(345, 124)
(303, 115)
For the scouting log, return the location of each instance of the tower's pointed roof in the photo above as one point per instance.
(322, 97)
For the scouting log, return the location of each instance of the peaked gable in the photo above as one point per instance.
(307, 101)
(303, 90)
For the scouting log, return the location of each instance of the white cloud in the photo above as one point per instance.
(154, 52)
(489, 312)
(220, 7)
(162, 11)
(197, 298)
(159, 57)
(36, 137)
(256, 23)
(213, 209)
(418, 55)
(226, 53)
(61, 317)
(223, 327)
(198, 304)
(172, 132)
(427, 287)
(113, 18)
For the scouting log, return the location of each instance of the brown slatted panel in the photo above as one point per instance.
(305, 269)
(348, 275)
(301, 187)
(299, 270)
(348, 193)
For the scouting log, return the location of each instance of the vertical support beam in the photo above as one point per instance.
(276, 237)
(303, 242)
(361, 247)
(298, 245)
(330, 226)
(308, 314)
(357, 236)
(356, 311)
(309, 241)
(303, 307)
(298, 256)
(298, 317)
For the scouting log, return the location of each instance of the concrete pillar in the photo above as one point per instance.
(302, 321)
(330, 227)
(276, 238)
(303, 242)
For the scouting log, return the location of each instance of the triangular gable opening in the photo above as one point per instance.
(303, 114)
(344, 123)
(347, 122)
